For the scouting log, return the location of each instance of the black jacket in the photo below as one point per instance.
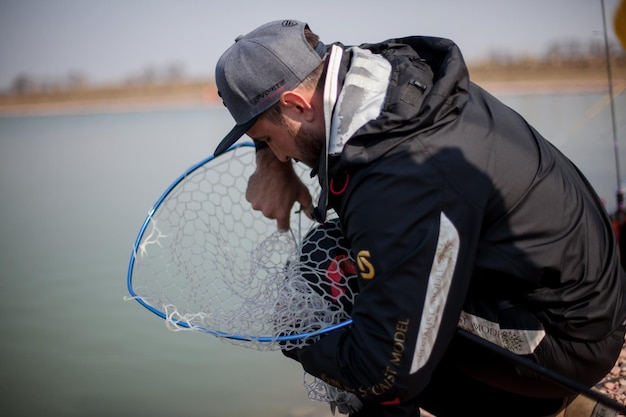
(450, 195)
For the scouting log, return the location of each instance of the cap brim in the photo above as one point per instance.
(233, 136)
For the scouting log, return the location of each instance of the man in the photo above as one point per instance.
(458, 213)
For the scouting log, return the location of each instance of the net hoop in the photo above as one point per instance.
(177, 321)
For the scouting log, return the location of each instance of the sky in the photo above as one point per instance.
(110, 40)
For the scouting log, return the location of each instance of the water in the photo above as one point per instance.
(74, 190)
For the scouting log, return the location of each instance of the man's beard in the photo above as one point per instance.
(309, 144)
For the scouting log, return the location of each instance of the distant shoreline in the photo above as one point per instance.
(138, 104)
(500, 82)
(78, 107)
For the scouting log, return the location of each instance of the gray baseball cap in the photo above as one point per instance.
(253, 73)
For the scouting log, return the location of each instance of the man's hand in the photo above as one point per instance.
(274, 188)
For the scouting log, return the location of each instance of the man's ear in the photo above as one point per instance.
(296, 106)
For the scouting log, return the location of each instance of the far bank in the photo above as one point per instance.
(498, 80)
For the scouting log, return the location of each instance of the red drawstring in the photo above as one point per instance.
(345, 185)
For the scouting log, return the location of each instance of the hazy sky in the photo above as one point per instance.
(109, 40)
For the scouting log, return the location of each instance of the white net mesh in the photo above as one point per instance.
(206, 261)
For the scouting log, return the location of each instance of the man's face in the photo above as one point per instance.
(290, 140)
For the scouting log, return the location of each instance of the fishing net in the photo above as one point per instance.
(205, 261)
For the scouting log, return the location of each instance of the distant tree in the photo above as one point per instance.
(173, 73)
(23, 84)
(76, 80)
(148, 76)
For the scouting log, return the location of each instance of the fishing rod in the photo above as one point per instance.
(546, 373)
(619, 195)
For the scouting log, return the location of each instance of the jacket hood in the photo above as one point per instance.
(428, 87)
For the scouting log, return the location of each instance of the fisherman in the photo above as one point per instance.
(459, 214)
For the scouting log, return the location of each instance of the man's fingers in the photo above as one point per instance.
(308, 210)
(306, 202)
(282, 223)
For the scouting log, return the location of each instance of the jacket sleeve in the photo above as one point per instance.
(413, 235)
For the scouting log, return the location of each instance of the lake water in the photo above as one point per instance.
(74, 190)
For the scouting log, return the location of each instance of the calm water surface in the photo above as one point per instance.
(74, 190)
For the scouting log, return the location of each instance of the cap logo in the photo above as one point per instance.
(289, 23)
(270, 92)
